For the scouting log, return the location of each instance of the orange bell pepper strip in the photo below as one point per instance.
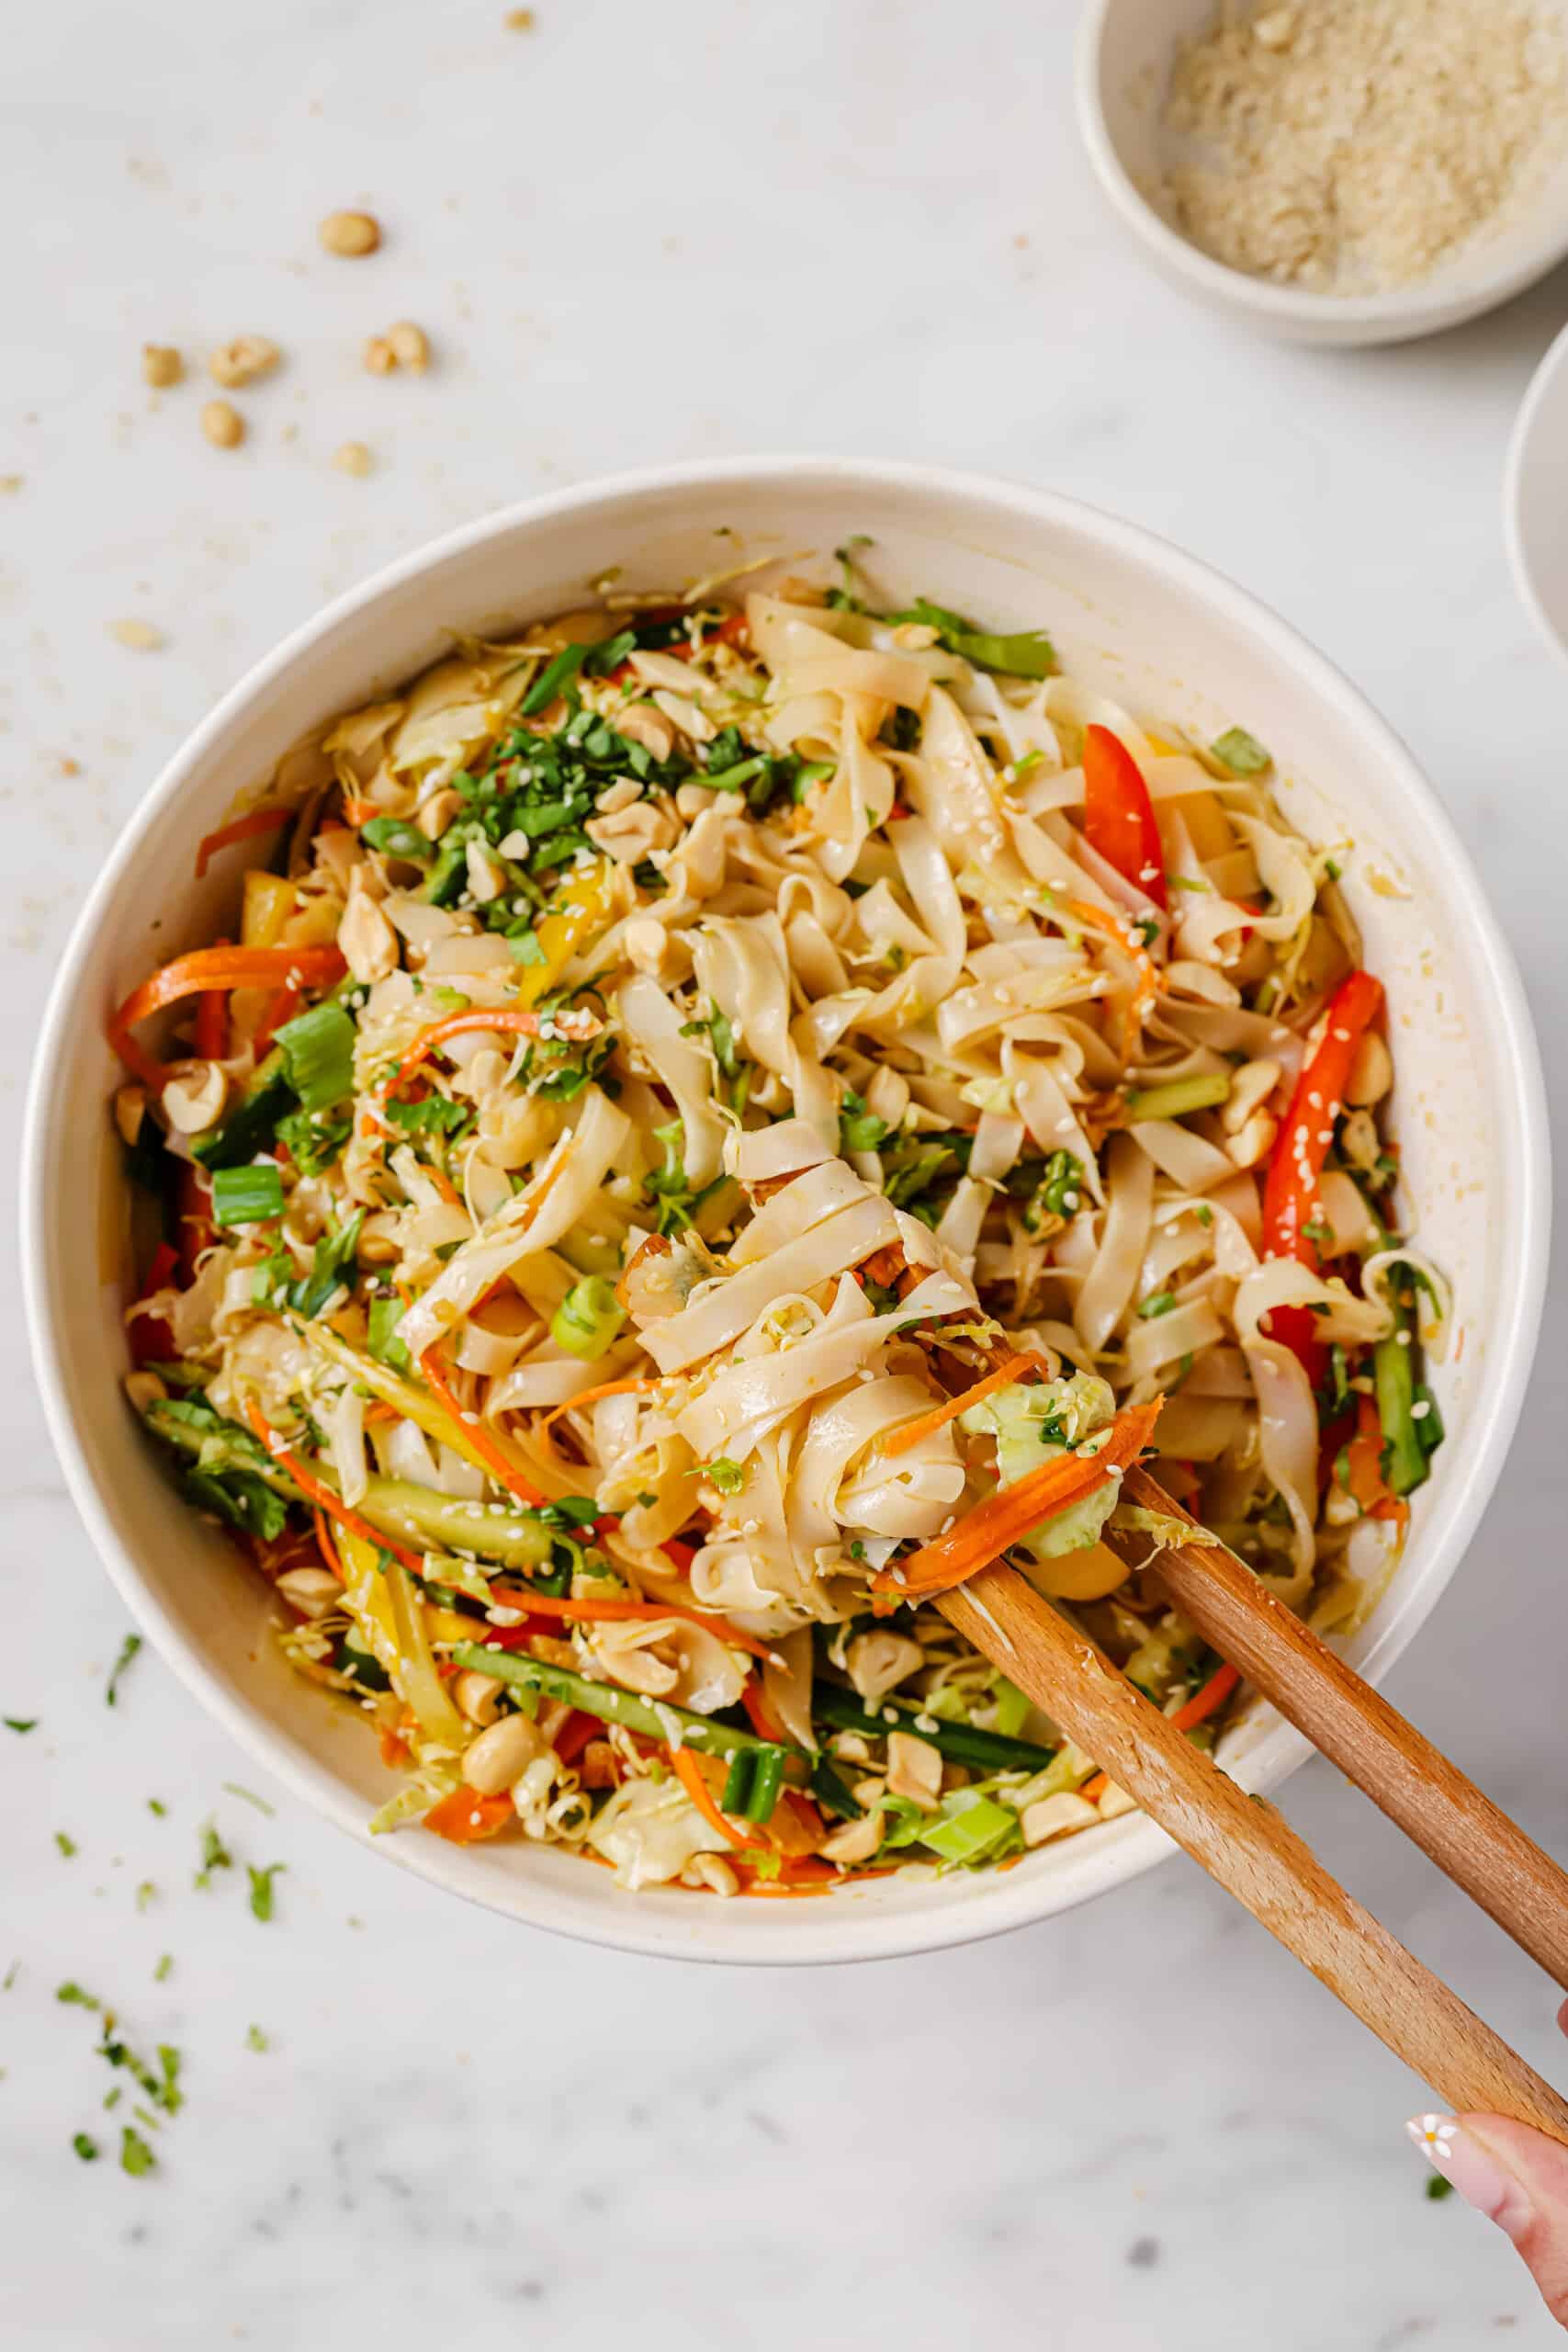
(1119, 816)
(241, 829)
(208, 968)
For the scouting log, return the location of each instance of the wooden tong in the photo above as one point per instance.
(1246, 1844)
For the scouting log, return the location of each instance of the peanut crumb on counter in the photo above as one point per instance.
(520, 20)
(223, 424)
(354, 458)
(140, 636)
(242, 360)
(161, 366)
(1351, 146)
(352, 234)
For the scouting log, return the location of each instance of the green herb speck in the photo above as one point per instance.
(135, 2156)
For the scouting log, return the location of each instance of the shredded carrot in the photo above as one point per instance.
(213, 968)
(1119, 930)
(447, 1190)
(688, 1772)
(241, 829)
(761, 1716)
(1009, 1514)
(615, 1612)
(464, 1817)
(212, 1020)
(478, 1436)
(381, 1411)
(359, 812)
(576, 1025)
(912, 1432)
(589, 1395)
(325, 1545)
(1363, 1462)
(322, 1497)
(1095, 1788)
(1202, 1703)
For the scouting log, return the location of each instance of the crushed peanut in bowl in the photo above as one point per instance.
(1352, 147)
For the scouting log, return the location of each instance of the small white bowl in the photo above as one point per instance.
(1131, 615)
(1125, 49)
(1535, 497)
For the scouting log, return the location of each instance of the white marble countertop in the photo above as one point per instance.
(635, 234)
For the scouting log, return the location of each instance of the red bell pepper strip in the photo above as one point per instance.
(1290, 1191)
(1119, 816)
(151, 1339)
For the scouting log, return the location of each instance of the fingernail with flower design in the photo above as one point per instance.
(1475, 2173)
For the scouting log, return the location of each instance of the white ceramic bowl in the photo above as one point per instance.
(1149, 625)
(1126, 50)
(1535, 497)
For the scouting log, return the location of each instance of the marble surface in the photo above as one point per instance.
(636, 233)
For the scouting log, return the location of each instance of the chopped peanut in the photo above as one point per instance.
(223, 424)
(240, 362)
(349, 234)
(161, 366)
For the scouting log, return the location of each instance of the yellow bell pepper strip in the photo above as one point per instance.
(437, 1419)
(384, 1602)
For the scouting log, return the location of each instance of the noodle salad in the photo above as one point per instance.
(722, 1115)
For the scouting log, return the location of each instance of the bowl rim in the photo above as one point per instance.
(1426, 307)
(837, 1931)
(1542, 387)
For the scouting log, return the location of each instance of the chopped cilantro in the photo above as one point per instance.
(1437, 2188)
(727, 1477)
(135, 2156)
(860, 1129)
(261, 1888)
(255, 2039)
(233, 1789)
(145, 1894)
(66, 1845)
(128, 1650)
(668, 1186)
(165, 1969)
(215, 1855)
(156, 1804)
(20, 1722)
(76, 1995)
(86, 2148)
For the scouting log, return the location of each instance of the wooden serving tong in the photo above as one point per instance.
(1247, 1846)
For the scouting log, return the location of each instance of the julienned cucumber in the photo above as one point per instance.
(408, 1514)
(605, 1699)
(962, 1741)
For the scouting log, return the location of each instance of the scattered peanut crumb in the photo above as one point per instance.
(379, 357)
(10, 483)
(161, 366)
(520, 20)
(349, 234)
(223, 424)
(354, 458)
(240, 362)
(141, 635)
(409, 346)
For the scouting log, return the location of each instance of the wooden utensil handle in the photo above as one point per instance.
(1446, 1815)
(1247, 1846)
